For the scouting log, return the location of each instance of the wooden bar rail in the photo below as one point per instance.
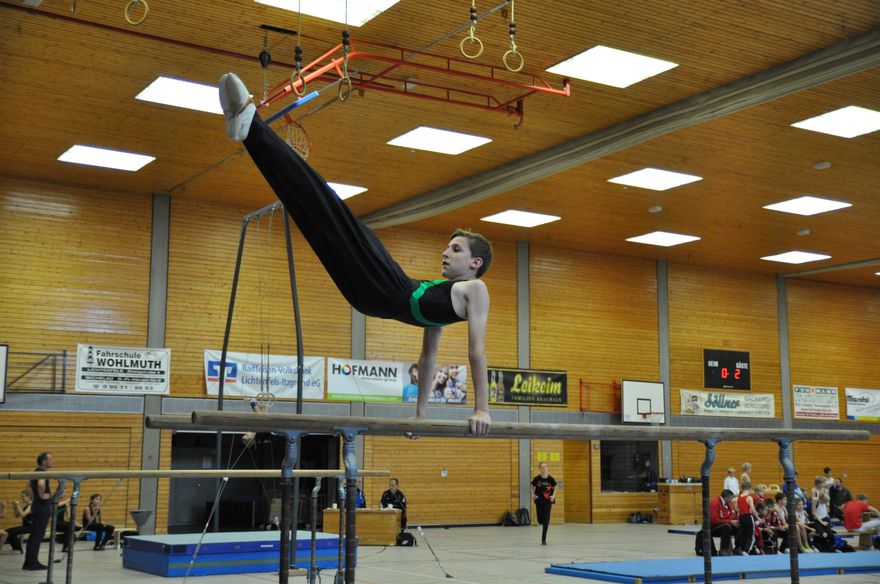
(184, 473)
(512, 430)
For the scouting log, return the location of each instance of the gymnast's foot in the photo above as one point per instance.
(238, 109)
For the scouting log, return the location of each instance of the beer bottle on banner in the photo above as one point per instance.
(493, 387)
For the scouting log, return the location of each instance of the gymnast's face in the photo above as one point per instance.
(458, 263)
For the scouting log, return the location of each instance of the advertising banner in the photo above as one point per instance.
(528, 387)
(813, 402)
(863, 404)
(122, 370)
(718, 403)
(248, 374)
(366, 381)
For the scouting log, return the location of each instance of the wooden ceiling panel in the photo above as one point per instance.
(74, 77)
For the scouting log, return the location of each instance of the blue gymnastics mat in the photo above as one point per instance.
(723, 568)
(238, 552)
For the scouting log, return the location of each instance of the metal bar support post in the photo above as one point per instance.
(71, 533)
(291, 457)
(786, 459)
(705, 472)
(349, 456)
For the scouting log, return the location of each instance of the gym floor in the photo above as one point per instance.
(472, 555)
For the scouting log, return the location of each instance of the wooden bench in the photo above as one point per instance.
(866, 541)
(118, 533)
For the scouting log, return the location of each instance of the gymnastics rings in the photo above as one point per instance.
(471, 40)
(302, 88)
(512, 53)
(343, 90)
(132, 4)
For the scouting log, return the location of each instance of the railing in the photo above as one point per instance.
(37, 372)
(599, 397)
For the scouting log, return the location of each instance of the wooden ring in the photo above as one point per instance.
(473, 40)
(522, 61)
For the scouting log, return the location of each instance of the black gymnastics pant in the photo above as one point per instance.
(40, 513)
(542, 514)
(101, 529)
(360, 266)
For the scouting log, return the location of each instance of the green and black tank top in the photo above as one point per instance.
(430, 304)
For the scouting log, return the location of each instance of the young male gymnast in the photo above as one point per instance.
(360, 266)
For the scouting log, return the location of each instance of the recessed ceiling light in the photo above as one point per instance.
(796, 257)
(182, 93)
(359, 13)
(117, 159)
(877, 273)
(847, 122)
(663, 238)
(611, 67)
(655, 179)
(521, 218)
(436, 140)
(808, 205)
(346, 191)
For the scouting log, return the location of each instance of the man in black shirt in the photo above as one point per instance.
(840, 496)
(41, 511)
(395, 497)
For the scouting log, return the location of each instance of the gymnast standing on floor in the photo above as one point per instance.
(360, 266)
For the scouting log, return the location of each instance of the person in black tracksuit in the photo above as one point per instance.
(544, 495)
(395, 497)
(357, 262)
(41, 511)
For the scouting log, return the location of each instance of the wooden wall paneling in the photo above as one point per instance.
(204, 243)
(594, 317)
(834, 331)
(479, 486)
(75, 268)
(714, 309)
(79, 441)
(578, 491)
(854, 463)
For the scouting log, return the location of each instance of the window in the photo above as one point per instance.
(629, 466)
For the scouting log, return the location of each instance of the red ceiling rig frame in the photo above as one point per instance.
(329, 67)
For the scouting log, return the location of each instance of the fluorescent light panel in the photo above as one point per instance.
(611, 67)
(89, 155)
(655, 179)
(847, 122)
(663, 238)
(182, 93)
(359, 12)
(796, 257)
(808, 205)
(521, 218)
(346, 191)
(436, 140)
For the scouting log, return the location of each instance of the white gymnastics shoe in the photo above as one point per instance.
(238, 109)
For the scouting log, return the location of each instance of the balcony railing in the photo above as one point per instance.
(37, 372)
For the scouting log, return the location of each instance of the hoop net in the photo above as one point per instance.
(652, 417)
(297, 138)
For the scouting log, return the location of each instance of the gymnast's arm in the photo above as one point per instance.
(427, 362)
(477, 296)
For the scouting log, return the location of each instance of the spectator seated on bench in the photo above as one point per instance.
(723, 520)
(857, 518)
